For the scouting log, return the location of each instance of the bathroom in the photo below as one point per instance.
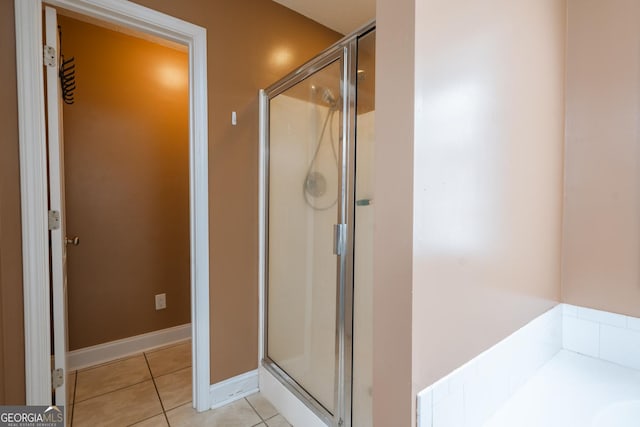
(505, 174)
(509, 251)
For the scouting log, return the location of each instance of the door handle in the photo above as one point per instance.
(339, 239)
(75, 241)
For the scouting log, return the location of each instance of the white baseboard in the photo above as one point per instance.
(233, 389)
(101, 353)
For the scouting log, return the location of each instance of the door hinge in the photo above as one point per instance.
(54, 220)
(49, 56)
(57, 378)
(339, 239)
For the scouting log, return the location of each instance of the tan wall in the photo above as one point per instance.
(480, 257)
(243, 41)
(12, 384)
(602, 199)
(251, 44)
(393, 215)
(488, 164)
(127, 185)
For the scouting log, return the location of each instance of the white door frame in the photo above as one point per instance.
(33, 180)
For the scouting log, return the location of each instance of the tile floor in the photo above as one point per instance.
(153, 389)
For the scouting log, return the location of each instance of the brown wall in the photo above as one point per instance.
(127, 185)
(602, 198)
(243, 37)
(12, 384)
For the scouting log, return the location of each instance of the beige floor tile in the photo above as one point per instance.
(119, 408)
(262, 406)
(277, 421)
(93, 382)
(157, 421)
(71, 387)
(236, 414)
(175, 388)
(170, 359)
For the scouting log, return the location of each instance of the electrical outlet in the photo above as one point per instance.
(161, 301)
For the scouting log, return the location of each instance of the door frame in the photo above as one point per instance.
(34, 187)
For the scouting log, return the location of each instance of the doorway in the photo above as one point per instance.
(34, 183)
(126, 206)
(126, 186)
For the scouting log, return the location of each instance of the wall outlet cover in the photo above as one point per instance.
(161, 301)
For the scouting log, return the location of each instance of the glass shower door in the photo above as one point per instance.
(305, 201)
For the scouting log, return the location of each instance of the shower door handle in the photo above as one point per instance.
(339, 239)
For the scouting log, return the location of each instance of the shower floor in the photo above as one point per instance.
(573, 390)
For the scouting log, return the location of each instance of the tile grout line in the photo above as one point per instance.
(143, 420)
(73, 398)
(130, 356)
(120, 360)
(147, 353)
(111, 391)
(120, 389)
(262, 420)
(265, 421)
(274, 416)
(154, 377)
(169, 373)
(166, 417)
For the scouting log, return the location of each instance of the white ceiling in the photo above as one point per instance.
(343, 16)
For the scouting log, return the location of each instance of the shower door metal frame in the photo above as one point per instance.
(346, 51)
(337, 54)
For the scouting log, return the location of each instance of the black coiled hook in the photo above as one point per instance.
(67, 73)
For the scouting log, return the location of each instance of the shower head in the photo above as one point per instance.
(329, 98)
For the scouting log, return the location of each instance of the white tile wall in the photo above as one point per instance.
(447, 412)
(602, 317)
(607, 336)
(471, 394)
(633, 323)
(580, 335)
(621, 346)
(425, 408)
(570, 310)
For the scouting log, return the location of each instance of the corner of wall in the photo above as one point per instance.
(393, 400)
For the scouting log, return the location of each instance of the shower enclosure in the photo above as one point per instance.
(317, 201)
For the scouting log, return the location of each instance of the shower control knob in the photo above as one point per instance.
(75, 241)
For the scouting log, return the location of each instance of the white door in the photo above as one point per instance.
(56, 206)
